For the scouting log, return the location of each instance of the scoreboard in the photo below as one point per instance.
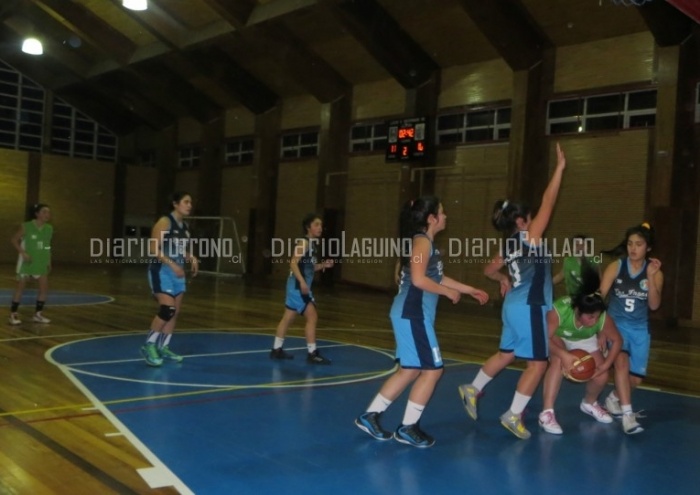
(406, 139)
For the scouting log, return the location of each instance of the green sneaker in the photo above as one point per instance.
(169, 355)
(150, 354)
(514, 424)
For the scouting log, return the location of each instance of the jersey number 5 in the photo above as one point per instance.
(629, 305)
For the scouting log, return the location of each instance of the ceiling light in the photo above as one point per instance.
(135, 4)
(32, 46)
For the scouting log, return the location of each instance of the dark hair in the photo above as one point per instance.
(308, 220)
(177, 196)
(413, 219)
(643, 230)
(34, 210)
(588, 298)
(505, 213)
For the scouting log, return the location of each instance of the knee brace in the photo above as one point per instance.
(166, 313)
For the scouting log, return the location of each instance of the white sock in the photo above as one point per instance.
(519, 403)
(413, 413)
(311, 347)
(481, 380)
(379, 404)
(152, 337)
(165, 339)
(627, 409)
(279, 342)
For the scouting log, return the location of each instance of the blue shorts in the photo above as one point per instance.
(416, 344)
(295, 300)
(163, 280)
(636, 342)
(525, 331)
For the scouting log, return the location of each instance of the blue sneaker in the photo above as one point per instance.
(167, 355)
(369, 422)
(413, 435)
(150, 354)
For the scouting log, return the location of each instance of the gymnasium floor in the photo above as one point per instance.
(230, 421)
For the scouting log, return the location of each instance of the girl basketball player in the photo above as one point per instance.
(634, 285)
(579, 322)
(413, 318)
(33, 243)
(299, 299)
(528, 297)
(166, 275)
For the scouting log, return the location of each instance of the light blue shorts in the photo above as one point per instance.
(525, 331)
(416, 344)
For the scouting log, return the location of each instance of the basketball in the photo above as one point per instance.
(583, 368)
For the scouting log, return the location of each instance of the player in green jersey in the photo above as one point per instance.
(570, 272)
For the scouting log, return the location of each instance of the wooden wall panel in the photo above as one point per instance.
(296, 196)
(81, 195)
(239, 121)
(378, 100)
(185, 180)
(371, 211)
(608, 62)
(300, 112)
(141, 198)
(13, 177)
(476, 83)
(236, 200)
(189, 131)
(696, 295)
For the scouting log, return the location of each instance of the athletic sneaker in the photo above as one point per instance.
(14, 319)
(316, 358)
(469, 395)
(369, 422)
(600, 414)
(413, 435)
(38, 318)
(150, 354)
(612, 404)
(630, 425)
(167, 355)
(548, 422)
(280, 353)
(514, 424)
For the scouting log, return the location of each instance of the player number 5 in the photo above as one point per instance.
(629, 305)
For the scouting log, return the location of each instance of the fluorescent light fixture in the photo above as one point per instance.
(32, 46)
(135, 4)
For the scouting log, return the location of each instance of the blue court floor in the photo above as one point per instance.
(228, 420)
(54, 298)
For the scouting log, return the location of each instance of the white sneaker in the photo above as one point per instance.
(14, 319)
(600, 414)
(548, 422)
(612, 404)
(40, 319)
(630, 425)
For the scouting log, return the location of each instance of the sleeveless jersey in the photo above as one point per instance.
(37, 243)
(307, 264)
(530, 269)
(567, 322)
(175, 241)
(572, 273)
(628, 296)
(412, 302)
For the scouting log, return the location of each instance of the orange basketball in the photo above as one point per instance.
(583, 368)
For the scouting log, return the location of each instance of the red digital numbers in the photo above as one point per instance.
(420, 146)
(406, 132)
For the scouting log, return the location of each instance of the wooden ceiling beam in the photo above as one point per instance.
(510, 29)
(668, 25)
(276, 9)
(235, 12)
(380, 34)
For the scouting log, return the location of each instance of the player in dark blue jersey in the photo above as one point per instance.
(412, 315)
(166, 276)
(633, 284)
(299, 298)
(528, 296)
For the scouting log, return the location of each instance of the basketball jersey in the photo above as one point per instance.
(37, 244)
(530, 269)
(572, 273)
(567, 322)
(175, 241)
(307, 264)
(412, 302)
(628, 296)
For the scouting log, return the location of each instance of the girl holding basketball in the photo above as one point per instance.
(413, 319)
(633, 284)
(579, 322)
(528, 297)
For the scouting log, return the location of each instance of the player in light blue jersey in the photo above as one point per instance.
(412, 315)
(527, 289)
(633, 284)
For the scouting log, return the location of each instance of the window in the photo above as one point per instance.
(474, 125)
(239, 151)
(189, 156)
(146, 159)
(75, 134)
(21, 111)
(368, 137)
(602, 112)
(299, 144)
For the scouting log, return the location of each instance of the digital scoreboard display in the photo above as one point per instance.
(406, 139)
